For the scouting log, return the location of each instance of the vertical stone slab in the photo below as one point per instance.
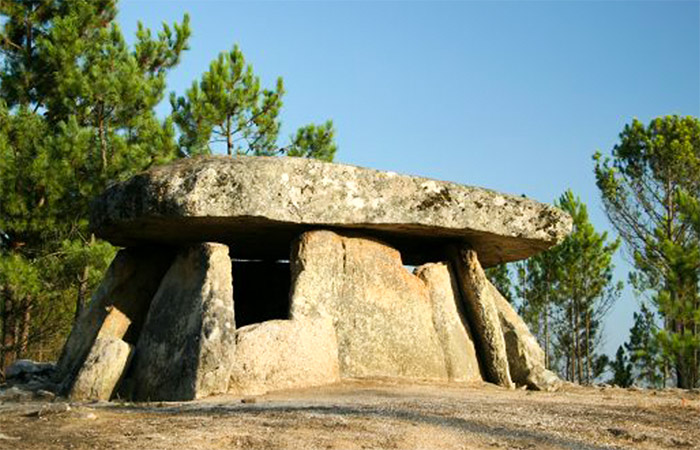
(187, 344)
(450, 323)
(284, 354)
(525, 356)
(128, 286)
(483, 314)
(381, 312)
(317, 263)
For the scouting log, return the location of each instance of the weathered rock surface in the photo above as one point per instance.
(382, 313)
(187, 343)
(102, 369)
(107, 360)
(115, 325)
(124, 294)
(482, 314)
(525, 356)
(450, 323)
(284, 354)
(261, 204)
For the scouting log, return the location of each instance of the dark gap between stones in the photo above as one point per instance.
(260, 290)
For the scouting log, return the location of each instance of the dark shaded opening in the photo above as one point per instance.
(260, 290)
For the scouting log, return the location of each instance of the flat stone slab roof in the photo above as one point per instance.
(258, 205)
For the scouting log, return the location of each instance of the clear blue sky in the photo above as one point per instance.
(514, 96)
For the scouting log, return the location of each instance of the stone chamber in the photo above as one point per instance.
(256, 274)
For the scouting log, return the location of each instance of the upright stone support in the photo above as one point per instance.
(450, 323)
(525, 356)
(187, 344)
(381, 312)
(483, 314)
(117, 308)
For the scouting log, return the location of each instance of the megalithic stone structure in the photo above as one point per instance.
(251, 274)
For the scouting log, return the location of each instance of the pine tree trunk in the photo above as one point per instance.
(683, 371)
(229, 138)
(82, 293)
(7, 329)
(572, 351)
(577, 335)
(546, 335)
(577, 344)
(16, 322)
(103, 144)
(696, 351)
(665, 358)
(24, 332)
(588, 347)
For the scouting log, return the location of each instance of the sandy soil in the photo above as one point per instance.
(369, 414)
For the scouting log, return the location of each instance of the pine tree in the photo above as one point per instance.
(585, 286)
(228, 107)
(621, 369)
(24, 78)
(29, 222)
(640, 187)
(643, 348)
(681, 298)
(76, 113)
(314, 141)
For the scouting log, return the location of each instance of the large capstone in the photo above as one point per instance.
(260, 204)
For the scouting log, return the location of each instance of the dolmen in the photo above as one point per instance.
(253, 274)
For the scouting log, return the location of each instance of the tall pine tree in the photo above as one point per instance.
(586, 288)
(640, 185)
(76, 113)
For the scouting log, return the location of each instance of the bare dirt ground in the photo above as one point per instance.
(369, 414)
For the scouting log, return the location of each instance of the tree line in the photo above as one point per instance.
(77, 112)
